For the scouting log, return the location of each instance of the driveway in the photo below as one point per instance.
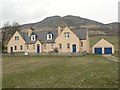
(113, 58)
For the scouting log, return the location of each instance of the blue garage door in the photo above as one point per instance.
(107, 50)
(98, 50)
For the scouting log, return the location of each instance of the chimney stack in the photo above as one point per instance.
(30, 30)
(59, 29)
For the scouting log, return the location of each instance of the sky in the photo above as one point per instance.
(31, 11)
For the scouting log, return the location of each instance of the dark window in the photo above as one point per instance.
(60, 46)
(33, 37)
(15, 47)
(68, 45)
(21, 47)
(44, 46)
(16, 38)
(33, 46)
(67, 34)
(27, 46)
(81, 44)
(49, 36)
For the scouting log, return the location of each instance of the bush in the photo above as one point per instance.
(55, 50)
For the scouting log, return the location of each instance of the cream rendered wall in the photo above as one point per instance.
(102, 44)
(61, 39)
(49, 47)
(85, 44)
(18, 43)
(84, 48)
(32, 49)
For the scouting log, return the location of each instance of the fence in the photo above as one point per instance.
(45, 54)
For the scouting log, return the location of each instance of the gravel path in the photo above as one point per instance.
(113, 58)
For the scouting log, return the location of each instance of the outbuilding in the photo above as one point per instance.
(103, 47)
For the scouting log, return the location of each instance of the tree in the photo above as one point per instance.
(5, 28)
(7, 32)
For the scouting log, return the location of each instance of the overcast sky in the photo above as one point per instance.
(30, 11)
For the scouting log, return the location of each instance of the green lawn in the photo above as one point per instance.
(90, 71)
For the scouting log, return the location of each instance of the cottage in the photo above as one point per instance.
(103, 47)
(63, 39)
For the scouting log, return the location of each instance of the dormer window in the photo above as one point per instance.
(33, 38)
(49, 36)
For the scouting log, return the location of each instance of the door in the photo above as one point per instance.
(98, 50)
(38, 48)
(74, 47)
(11, 49)
(107, 50)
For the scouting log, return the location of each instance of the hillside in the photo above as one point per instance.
(51, 23)
(94, 27)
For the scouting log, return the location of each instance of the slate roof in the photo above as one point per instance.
(26, 38)
(81, 33)
(41, 36)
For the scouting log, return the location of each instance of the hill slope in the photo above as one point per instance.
(52, 22)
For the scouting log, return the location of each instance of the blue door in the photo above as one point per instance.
(38, 48)
(107, 50)
(98, 50)
(74, 47)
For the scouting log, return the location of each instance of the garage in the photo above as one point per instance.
(108, 50)
(103, 47)
(98, 50)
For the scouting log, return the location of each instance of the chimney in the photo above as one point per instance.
(30, 30)
(59, 29)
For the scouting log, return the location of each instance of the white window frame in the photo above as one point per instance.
(33, 38)
(49, 36)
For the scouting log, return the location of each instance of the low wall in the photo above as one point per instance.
(45, 54)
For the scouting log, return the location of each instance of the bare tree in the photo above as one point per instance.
(7, 32)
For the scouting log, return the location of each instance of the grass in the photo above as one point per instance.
(90, 71)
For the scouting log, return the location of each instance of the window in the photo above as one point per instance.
(81, 44)
(15, 47)
(49, 36)
(33, 37)
(68, 46)
(33, 46)
(21, 47)
(44, 46)
(27, 46)
(52, 45)
(60, 46)
(67, 34)
(16, 38)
